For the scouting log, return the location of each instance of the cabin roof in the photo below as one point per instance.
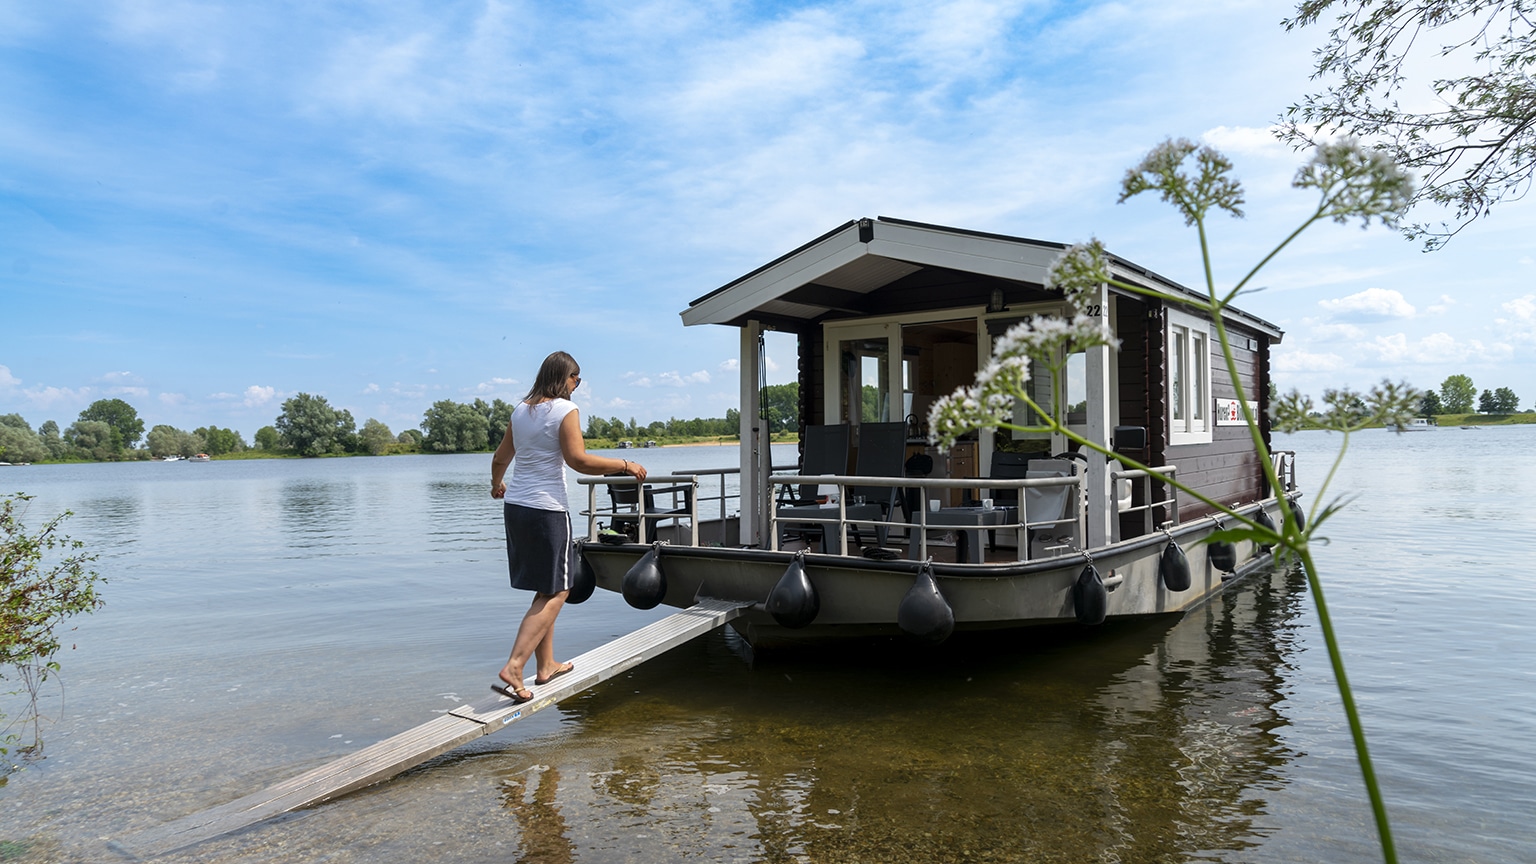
(835, 274)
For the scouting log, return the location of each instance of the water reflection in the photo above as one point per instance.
(531, 797)
(1140, 744)
(316, 513)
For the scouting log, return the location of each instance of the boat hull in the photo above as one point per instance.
(860, 598)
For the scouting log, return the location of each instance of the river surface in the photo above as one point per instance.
(264, 617)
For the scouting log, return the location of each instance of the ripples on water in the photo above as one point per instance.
(265, 617)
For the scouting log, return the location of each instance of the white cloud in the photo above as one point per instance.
(1523, 308)
(1322, 330)
(47, 397)
(7, 380)
(1443, 306)
(120, 379)
(257, 395)
(496, 385)
(730, 365)
(1435, 348)
(1257, 141)
(173, 399)
(1372, 304)
(1291, 361)
(371, 388)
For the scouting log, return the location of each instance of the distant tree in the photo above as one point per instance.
(597, 427)
(163, 441)
(221, 441)
(311, 427)
(781, 407)
(1475, 145)
(1505, 401)
(267, 438)
(119, 415)
(52, 440)
(501, 415)
(92, 439)
(18, 443)
(1485, 403)
(169, 441)
(410, 438)
(1457, 393)
(452, 427)
(1430, 405)
(375, 437)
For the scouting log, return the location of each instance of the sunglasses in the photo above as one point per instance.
(576, 378)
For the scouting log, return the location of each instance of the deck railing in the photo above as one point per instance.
(837, 511)
(928, 490)
(1168, 505)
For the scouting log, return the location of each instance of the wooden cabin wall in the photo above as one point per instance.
(1136, 405)
(1228, 468)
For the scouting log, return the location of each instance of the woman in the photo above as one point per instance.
(542, 437)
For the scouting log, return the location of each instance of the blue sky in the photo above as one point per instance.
(207, 207)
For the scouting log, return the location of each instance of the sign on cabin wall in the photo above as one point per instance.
(1228, 412)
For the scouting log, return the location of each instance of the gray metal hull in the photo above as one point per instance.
(859, 598)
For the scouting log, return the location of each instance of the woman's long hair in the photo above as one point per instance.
(554, 380)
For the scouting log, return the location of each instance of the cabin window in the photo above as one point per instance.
(1189, 379)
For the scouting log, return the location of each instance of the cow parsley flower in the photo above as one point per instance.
(1079, 272)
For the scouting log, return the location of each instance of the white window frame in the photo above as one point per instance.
(1187, 341)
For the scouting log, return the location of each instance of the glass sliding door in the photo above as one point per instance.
(862, 377)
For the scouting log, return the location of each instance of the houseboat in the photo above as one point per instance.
(875, 531)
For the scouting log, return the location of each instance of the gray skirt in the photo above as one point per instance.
(539, 549)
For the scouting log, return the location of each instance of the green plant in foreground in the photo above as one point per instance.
(44, 579)
(1351, 183)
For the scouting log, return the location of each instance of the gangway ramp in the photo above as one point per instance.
(456, 728)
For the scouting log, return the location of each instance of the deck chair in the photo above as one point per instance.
(826, 452)
(1052, 503)
(1006, 466)
(641, 525)
(882, 453)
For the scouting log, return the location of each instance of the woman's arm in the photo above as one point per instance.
(574, 449)
(500, 461)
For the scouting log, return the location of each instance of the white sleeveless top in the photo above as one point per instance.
(538, 468)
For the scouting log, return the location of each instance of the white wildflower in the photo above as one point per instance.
(1079, 272)
(1355, 181)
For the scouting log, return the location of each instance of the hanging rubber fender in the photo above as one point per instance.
(924, 612)
(645, 583)
(1223, 556)
(1174, 567)
(1264, 520)
(586, 578)
(793, 602)
(1090, 600)
(1301, 519)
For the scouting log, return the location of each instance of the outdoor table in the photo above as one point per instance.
(831, 535)
(971, 521)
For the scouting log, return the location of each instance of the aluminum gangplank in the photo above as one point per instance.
(456, 728)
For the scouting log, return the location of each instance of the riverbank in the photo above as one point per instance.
(1524, 418)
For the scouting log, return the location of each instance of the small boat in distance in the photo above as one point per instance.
(201, 457)
(1417, 424)
(1471, 427)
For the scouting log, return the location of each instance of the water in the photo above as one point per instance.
(265, 617)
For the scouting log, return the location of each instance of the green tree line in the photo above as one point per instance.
(1456, 396)
(308, 425)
